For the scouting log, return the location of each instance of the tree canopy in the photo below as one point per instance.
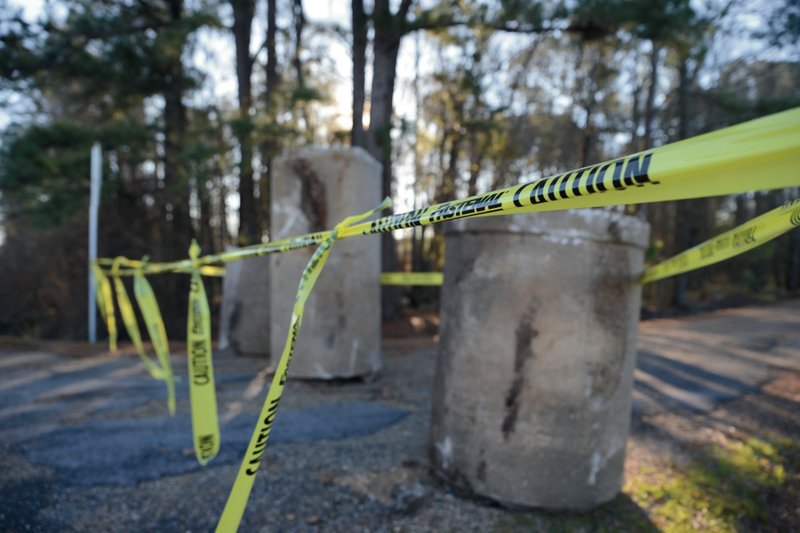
(452, 97)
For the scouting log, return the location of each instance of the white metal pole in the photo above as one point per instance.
(94, 205)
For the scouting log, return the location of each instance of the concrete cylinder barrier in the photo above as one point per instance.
(244, 317)
(313, 190)
(532, 395)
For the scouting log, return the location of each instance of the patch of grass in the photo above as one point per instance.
(729, 488)
(741, 486)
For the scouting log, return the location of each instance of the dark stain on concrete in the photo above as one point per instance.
(604, 379)
(233, 333)
(523, 351)
(467, 256)
(482, 466)
(330, 340)
(312, 195)
(342, 319)
(614, 232)
(610, 293)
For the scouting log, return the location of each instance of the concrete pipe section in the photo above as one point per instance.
(532, 395)
(244, 318)
(314, 190)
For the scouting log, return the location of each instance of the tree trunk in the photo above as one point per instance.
(379, 142)
(269, 147)
(222, 235)
(176, 176)
(793, 274)
(476, 149)
(588, 134)
(249, 229)
(206, 232)
(299, 25)
(649, 111)
(686, 223)
(359, 50)
(637, 89)
(176, 180)
(451, 173)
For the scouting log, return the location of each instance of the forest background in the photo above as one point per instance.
(192, 101)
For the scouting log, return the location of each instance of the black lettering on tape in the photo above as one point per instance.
(636, 171)
(616, 180)
(517, 194)
(537, 193)
(590, 179)
(292, 343)
(551, 189)
(576, 181)
(200, 367)
(263, 435)
(599, 178)
(744, 237)
(205, 444)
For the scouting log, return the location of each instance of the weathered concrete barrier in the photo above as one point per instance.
(244, 315)
(532, 396)
(313, 190)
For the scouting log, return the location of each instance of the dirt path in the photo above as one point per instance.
(85, 442)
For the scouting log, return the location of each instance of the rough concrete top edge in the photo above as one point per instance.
(568, 226)
(314, 152)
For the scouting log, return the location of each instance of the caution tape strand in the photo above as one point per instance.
(202, 391)
(757, 155)
(240, 492)
(740, 239)
(431, 279)
(131, 326)
(148, 305)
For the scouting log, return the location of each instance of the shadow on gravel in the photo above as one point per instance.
(620, 514)
(126, 452)
(20, 513)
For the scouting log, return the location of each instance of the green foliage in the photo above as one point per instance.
(519, 89)
(44, 172)
(302, 95)
(784, 25)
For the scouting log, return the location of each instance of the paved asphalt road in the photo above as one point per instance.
(697, 362)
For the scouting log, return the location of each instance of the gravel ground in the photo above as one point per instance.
(85, 443)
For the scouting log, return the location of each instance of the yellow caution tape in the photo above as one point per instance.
(202, 393)
(158, 333)
(133, 266)
(204, 263)
(240, 492)
(105, 302)
(412, 278)
(756, 155)
(729, 244)
(212, 271)
(131, 326)
(740, 239)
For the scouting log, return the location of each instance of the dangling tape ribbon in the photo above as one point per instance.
(129, 320)
(151, 313)
(240, 493)
(105, 303)
(205, 426)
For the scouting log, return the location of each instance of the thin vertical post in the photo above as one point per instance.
(94, 206)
